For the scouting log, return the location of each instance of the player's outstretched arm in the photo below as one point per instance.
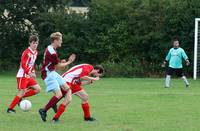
(86, 82)
(90, 78)
(63, 64)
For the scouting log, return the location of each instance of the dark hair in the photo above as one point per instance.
(100, 68)
(33, 38)
(175, 39)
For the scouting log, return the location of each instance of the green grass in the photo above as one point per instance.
(119, 104)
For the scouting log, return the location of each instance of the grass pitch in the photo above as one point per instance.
(118, 104)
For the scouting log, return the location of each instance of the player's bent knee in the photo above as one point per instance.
(85, 98)
(67, 100)
(58, 93)
(20, 93)
(58, 96)
(38, 89)
(70, 99)
(65, 87)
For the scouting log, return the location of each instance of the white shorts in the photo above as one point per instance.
(53, 81)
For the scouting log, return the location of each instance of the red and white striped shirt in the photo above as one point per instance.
(77, 72)
(27, 63)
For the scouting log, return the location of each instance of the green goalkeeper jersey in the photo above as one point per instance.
(175, 57)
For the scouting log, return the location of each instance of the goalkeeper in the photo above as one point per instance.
(174, 57)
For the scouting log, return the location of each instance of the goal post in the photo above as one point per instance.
(196, 68)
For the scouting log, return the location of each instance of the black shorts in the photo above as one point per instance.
(179, 71)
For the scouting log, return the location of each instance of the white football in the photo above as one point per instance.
(25, 105)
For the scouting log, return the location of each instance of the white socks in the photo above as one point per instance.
(167, 81)
(168, 78)
(185, 80)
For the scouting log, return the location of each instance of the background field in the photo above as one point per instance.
(119, 104)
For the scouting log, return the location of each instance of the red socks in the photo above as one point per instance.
(31, 92)
(86, 110)
(61, 109)
(51, 103)
(14, 102)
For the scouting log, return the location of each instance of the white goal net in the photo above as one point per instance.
(196, 68)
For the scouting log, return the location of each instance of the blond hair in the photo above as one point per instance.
(55, 36)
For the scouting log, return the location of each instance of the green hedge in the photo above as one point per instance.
(130, 38)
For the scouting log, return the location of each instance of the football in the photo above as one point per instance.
(25, 105)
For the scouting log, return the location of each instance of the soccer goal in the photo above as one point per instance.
(196, 68)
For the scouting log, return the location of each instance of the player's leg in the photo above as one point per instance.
(168, 77)
(85, 105)
(21, 85)
(52, 102)
(64, 104)
(185, 81)
(34, 88)
(54, 99)
(52, 86)
(15, 101)
(55, 107)
(180, 73)
(64, 92)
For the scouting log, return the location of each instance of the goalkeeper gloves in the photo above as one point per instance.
(163, 64)
(187, 62)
